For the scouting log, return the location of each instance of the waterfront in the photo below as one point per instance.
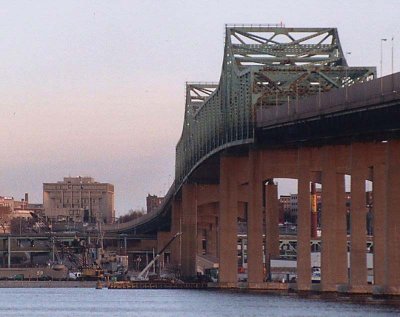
(179, 303)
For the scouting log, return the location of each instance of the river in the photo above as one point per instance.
(77, 302)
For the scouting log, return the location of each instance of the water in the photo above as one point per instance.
(76, 302)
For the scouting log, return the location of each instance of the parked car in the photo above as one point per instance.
(17, 277)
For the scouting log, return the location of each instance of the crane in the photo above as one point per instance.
(144, 273)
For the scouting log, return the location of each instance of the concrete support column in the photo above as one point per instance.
(176, 227)
(358, 235)
(303, 229)
(207, 230)
(200, 238)
(272, 224)
(189, 230)
(212, 232)
(328, 261)
(379, 213)
(334, 238)
(9, 251)
(255, 221)
(342, 273)
(162, 239)
(393, 218)
(125, 247)
(227, 222)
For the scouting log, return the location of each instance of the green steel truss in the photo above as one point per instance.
(263, 66)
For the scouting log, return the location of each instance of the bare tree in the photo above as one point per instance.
(3, 223)
(21, 225)
(131, 215)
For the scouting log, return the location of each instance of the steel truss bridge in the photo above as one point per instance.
(266, 73)
(263, 68)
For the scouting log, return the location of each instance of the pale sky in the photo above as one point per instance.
(96, 88)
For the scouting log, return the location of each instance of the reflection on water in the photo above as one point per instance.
(90, 302)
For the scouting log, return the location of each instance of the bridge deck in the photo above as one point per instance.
(360, 111)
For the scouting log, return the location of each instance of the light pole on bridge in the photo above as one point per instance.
(382, 40)
(392, 55)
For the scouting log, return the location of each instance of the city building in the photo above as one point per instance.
(293, 205)
(13, 204)
(5, 212)
(79, 199)
(153, 202)
(284, 208)
(11, 208)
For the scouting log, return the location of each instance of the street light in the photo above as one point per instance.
(347, 54)
(382, 40)
(392, 54)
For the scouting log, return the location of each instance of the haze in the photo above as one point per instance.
(96, 88)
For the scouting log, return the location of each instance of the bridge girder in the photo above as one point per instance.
(263, 66)
(292, 62)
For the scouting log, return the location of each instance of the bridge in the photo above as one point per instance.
(287, 105)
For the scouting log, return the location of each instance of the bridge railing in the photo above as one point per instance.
(384, 89)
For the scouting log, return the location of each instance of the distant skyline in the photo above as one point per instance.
(96, 88)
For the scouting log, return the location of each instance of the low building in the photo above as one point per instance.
(12, 204)
(79, 199)
(153, 202)
(5, 213)
(11, 208)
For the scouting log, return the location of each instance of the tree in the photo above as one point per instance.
(131, 215)
(21, 225)
(3, 224)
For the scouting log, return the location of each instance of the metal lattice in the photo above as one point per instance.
(263, 66)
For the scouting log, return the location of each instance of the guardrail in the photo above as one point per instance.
(378, 91)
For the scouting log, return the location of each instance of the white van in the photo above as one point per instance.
(74, 275)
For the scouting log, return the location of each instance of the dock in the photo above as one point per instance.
(155, 285)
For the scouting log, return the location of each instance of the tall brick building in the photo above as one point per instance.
(153, 202)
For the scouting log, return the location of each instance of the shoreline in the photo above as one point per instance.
(332, 296)
(211, 286)
(47, 284)
(284, 292)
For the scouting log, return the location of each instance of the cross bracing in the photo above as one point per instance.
(263, 66)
